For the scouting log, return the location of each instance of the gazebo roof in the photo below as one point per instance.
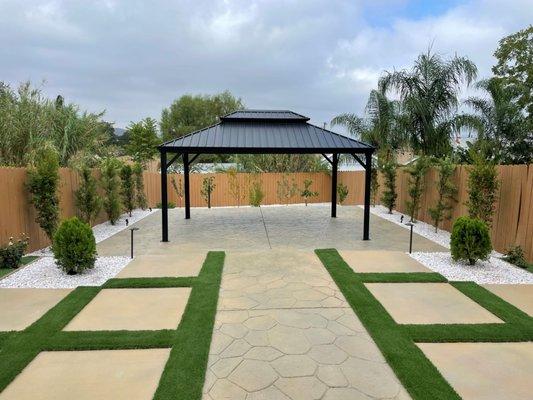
(264, 131)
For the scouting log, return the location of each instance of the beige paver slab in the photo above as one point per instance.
(159, 266)
(132, 309)
(485, 370)
(381, 261)
(520, 296)
(429, 303)
(19, 308)
(88, 375)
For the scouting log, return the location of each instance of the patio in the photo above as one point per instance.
(282, 325)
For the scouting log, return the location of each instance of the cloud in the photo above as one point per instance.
(317, 57)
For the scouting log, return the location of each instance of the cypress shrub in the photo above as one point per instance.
(470, 240)
(74, 246)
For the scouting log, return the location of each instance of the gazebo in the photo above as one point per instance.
(264, 132)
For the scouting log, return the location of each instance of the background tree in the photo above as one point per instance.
(280, 163)
(306, 193)
(138, 179)
(446, 190)
(514, 69)
(111, 185)
(286, 189)
(43, 182)
(500, 124)
(417, 172)
(208, 185)
(143, 140)
(88, 201)
(429, 95)
(482, 187)
(128, 188)
(374, 185)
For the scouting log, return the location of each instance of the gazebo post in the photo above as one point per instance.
(368, 176)
(186, 185)
(334, 167)
(164, 196)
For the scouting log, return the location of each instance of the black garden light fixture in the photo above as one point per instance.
(411, 225)
(132, 230)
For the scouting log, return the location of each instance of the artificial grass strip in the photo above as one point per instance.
(184, 373)
(400, 277)
(418, 375)
(138, 283)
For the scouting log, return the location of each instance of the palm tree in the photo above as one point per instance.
(380, 127)
(499, 124)
(429, 94)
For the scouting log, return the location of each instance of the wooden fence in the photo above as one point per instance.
(513, 219)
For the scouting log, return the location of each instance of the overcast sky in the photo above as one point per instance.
(319, 58)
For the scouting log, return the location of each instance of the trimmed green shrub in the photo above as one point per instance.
(43, 182)
(11, 254)
(447, 192)
(342, 192)
(208, 185)
(306, 192)
(483, 185)
(128, 189)
(74, 246)
(87, 199)
(110, 181)
(470, 240)
(515, 255)
(140, 196)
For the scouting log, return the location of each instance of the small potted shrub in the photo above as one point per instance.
(11, 254)
(470, 240)
(74, 246)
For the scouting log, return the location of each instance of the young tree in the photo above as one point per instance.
(389, 195)
(446, 193)
(140, 196)
(235, 186)
(286, 190)
(111, 185)
(87, 199)
(417, 172)
(143, 140)
(178, 188)
(256, 193)
(342, 192)
(374, 185)
(43, 182)
(483, 185)
(128, 188)
(306, 192)
(208, 185)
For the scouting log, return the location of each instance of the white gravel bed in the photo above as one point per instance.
(105, 229)
(45, 274)
(494, 270)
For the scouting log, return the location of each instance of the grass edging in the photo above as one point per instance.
(400, 277)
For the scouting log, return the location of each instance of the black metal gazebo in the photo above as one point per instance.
(264, 132)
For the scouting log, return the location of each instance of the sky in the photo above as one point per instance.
(316, 57)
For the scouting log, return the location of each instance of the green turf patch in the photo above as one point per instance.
(28, 259)
(400, 277)
(184, 372)
(418, 375)
(24, 261)
(5, 271)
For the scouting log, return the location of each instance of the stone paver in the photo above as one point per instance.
(19, 308)
(132, 309)
(88, 375)
(304, 348)
(490, 371)
(381, 261)
(520, 296)
(429, 303)
(156, 266)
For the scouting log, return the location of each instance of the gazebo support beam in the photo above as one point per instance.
(164, 197)
(334, 167)
(186, 188)
(368, 177)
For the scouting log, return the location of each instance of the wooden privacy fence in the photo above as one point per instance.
(512, 222)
